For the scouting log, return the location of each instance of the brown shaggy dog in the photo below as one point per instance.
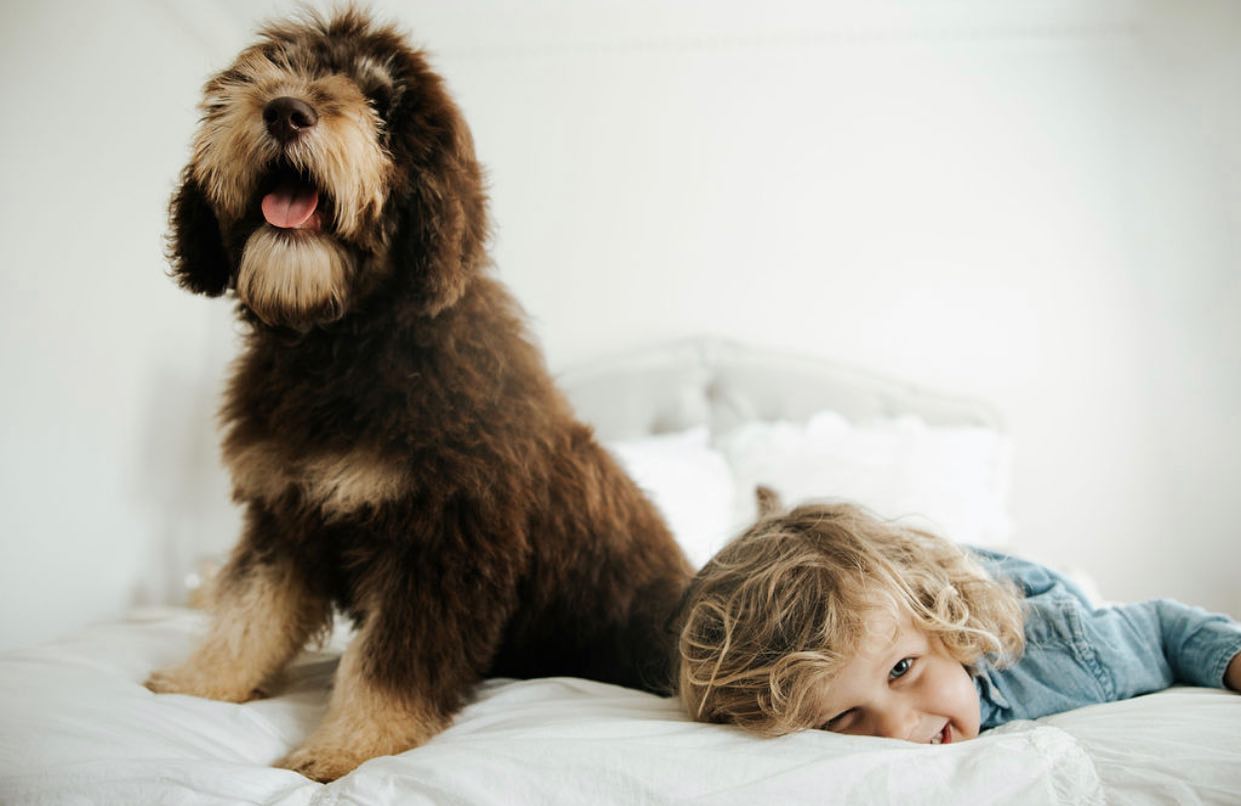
(393, 435)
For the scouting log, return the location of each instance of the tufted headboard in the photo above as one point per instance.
(722, 384)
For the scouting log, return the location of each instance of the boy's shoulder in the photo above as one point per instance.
(1033, 579)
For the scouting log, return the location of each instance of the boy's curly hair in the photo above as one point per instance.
(772, 617)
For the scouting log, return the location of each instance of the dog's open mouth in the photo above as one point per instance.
(291, 200)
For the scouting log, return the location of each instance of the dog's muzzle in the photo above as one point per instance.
(287, 118)
(293, 203)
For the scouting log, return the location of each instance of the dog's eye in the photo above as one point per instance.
(380, 97)
(277, 54)
(235, 76)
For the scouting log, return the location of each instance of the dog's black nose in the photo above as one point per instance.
(287, 117)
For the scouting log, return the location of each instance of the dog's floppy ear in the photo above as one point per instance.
(195, 248)
(442, 231)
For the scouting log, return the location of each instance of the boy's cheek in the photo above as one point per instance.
(969, 727)
(972, 717)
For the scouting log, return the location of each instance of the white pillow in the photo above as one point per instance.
(689, 482)
(951, 480)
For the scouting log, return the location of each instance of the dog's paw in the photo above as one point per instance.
(321, 763)
(185, 680)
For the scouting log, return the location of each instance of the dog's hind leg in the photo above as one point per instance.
(263, 615)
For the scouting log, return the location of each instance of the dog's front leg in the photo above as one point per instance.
(431, 629)
(366, 716)
(263, 615)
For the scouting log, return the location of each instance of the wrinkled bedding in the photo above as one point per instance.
(76, 726)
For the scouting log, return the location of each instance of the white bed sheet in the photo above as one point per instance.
(76, 726)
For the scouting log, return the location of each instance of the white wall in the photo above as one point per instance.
(1032, 203)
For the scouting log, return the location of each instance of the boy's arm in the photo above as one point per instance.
(1201, 647)
(1149, 646)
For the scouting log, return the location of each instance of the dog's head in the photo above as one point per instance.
(329, 163)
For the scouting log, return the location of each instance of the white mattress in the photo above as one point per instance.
(76, 726)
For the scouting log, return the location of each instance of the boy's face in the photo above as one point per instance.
(902, 684)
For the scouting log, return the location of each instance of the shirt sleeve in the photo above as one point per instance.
(1149, 646)
(1077, 654)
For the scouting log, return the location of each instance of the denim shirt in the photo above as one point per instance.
(1078, 655)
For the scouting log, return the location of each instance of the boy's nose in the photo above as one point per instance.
(898, 723)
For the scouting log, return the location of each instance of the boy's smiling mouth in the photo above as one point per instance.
(944, 736)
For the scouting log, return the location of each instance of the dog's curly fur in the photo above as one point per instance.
(393, 435)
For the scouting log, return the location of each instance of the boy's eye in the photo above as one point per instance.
(837, 722)
(901, 668)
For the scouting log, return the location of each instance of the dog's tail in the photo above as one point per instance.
(769, 502)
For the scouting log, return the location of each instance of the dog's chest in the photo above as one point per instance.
(336, 482)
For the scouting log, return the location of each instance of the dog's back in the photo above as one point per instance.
(603, 583)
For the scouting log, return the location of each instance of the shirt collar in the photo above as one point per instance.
(988, 690)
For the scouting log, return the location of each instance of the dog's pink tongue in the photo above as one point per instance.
(290, 206)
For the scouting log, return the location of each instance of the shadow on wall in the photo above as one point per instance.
(183, 490)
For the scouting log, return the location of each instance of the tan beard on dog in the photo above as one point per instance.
(293, 278)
